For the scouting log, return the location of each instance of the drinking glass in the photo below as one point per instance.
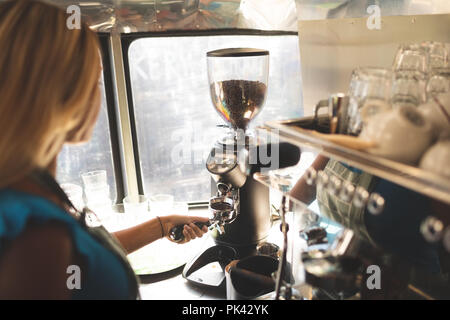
(411, 58)
(96, 190)
(369, 94)
(437, 54)
(408, 88)
(161, 204)
(94, 179)
(439, 82)
(137, 205)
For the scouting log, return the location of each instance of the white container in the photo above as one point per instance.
(401, 135)
(437, 159)
(437, 111)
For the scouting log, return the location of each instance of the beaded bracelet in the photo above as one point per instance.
(162, 229)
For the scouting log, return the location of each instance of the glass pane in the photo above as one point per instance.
(96, 154)
(175, 120)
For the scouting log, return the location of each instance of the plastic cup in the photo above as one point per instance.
(75, 194)
(94, 179)
(161, 204)
(98, 195)
(139, 207)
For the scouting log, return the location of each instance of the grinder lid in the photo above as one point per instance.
(237, 52)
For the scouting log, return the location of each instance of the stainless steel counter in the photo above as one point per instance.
(172, 286)
(175, 287)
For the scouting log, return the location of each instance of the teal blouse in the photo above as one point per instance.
(104, 275)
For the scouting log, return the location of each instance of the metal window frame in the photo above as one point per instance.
(121, 105)
(112, 116)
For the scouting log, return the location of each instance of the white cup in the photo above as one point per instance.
(402, 134)
(437, 159)
(138, 206)
(437, 111)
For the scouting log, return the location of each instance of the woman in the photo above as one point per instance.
(50, 96)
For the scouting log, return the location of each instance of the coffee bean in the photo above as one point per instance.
(238, 101)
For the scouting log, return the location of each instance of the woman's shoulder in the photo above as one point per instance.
(35, 264)
(102, 272)
(19, 209)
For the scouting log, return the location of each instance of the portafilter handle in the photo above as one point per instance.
(176, 233)
(223, 211)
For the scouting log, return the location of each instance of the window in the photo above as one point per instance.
(175, 121)
(93, 155)
(177, 126)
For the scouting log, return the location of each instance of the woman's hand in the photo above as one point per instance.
(190, 231)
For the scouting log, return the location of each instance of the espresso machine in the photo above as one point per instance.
(240, 208)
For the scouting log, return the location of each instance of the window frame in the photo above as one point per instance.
(112, 116)
(128, 38)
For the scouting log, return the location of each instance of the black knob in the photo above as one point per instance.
(176, 233)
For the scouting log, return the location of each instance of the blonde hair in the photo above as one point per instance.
(48, 77)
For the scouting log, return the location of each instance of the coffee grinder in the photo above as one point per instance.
(240, 208)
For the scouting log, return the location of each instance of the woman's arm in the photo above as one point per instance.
(35, 265)
(138, 236)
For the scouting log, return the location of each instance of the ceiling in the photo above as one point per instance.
(162, 15)
(127, 16)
